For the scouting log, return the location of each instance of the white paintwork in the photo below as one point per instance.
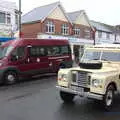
(82, 20)
(58, 14)
(117, 38)
(8, 7)
(72, 40)
(104, 39)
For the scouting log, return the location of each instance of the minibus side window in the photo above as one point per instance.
(53, 51)
(37, 51)
(18, 53)
(65, 50)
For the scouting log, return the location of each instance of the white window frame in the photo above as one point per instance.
(76, 31)
(7, 16)
(50, 27)
(107, 35)
(87, 33)
(65, 29)
(99, 34)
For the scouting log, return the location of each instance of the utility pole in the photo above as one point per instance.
(19, 18)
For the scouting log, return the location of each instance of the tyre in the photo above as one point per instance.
(67, 97)
(10, 77)
(109, 97)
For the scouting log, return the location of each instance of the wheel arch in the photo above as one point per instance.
(113, 84)
(14, 69)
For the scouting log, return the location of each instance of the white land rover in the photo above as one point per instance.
(96, 77)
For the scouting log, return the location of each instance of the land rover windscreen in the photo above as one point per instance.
(100, 55)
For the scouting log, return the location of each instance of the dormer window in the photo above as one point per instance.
(50, 27)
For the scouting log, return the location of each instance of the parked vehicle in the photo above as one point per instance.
(97, 77)
(30, 57)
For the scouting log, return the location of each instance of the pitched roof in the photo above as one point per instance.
(102, 27)
(39, 13)
(73, 15)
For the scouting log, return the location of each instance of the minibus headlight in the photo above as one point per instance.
(96, 82)
(62, 77)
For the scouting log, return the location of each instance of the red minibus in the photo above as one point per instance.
(31, 57)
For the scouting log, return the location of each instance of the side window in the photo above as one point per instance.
(53, 51)
(65, 50)
(18, 53)
(37, 51)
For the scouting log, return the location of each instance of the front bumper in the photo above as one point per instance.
(84, 94)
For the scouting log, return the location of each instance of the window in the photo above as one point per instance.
(37, 51)
(53, 51)
(50, 27)
(64, 29)
(5, 18)
(87, 33)
(77, 31)
(2, 17)
(108, 35)
(99, 34)
(16, 19)
(58, 50)
(19, 52)
(65, 50)
(8, 18)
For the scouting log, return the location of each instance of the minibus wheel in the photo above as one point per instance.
(10, 77)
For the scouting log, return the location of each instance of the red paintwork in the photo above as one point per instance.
(30, 67)
(25, 42)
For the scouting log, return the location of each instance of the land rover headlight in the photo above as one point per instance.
(96, 82)
(62, 77)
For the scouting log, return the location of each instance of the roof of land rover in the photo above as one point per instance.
(35, 42)
(109, 46)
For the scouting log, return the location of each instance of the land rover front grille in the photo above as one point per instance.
(81, 78)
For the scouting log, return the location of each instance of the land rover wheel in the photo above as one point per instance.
(10, 77)
(109, 97)
(66, 97)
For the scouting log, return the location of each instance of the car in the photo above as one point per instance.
(97, 76)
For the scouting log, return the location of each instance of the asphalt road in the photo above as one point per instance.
(38, 99)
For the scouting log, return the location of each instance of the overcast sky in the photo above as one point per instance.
(106, 11)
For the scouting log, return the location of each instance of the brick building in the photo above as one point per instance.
(52, 22)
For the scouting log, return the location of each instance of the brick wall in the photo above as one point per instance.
(82, 31)
(32, 29)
